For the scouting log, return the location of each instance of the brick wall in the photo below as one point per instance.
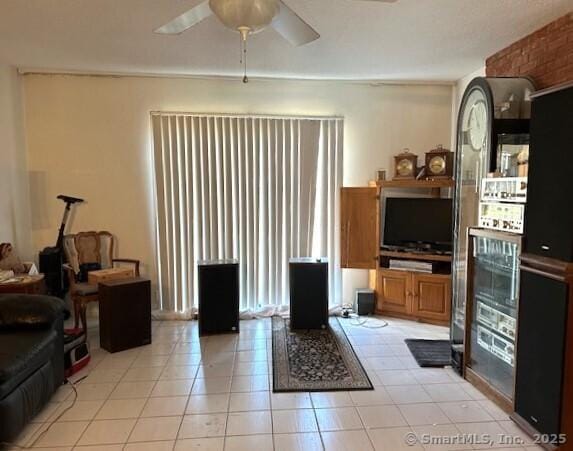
(545, 55)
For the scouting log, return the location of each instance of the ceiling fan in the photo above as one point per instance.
(248, 17)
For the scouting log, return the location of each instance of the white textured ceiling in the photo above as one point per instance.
(439, 40)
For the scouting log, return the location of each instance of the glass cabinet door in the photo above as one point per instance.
(495, 292)
(512, 155)
(493, 121)
(472, 165)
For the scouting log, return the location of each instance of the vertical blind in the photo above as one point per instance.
(260, 190)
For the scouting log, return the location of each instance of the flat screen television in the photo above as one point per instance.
(418, 223)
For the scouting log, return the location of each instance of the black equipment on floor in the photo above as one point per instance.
(124, 313)
(218, 282)
(76, 351)
(548, 214)
(365, 302)
(308, 280)
(541, 347)
(52, 258)
(457, 360)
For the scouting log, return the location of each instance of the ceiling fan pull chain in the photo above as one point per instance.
(245, 78)
(244, 33)
(241, 50)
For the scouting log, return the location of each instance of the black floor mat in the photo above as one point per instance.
(430, 353)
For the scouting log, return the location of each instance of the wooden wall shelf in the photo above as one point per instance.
(419, 184)
(417, 256)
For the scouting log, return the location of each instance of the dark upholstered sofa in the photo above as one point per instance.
(31, 358)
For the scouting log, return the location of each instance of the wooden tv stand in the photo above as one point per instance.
(405, 294)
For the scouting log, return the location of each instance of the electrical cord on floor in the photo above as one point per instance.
(361, 321)
(31, 445)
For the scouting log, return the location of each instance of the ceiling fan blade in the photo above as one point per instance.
(292, 27)
(186, 20)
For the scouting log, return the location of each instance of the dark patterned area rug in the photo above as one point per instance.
(315, 360)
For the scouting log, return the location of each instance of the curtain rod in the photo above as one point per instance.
(245, 115)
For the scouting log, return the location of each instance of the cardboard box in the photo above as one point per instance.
(95, 277)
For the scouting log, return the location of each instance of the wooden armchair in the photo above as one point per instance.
(89, 248)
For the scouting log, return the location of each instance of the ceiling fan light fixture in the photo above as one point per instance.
(238, 15)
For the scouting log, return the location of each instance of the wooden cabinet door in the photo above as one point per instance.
(394, 291)
(359, 228)
(431, 296)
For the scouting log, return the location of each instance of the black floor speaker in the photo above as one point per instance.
(308, 280)
(218, 297)
(549, 216)
(124, 314)
(540, 351)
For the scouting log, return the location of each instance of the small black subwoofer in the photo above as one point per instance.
(365, 302)
(308, 293)
(218, 296)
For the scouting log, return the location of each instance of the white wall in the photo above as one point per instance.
(90, 137)
(14, 199)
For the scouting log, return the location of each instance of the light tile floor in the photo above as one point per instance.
(215, 393)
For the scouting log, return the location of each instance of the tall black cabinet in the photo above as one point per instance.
(544, 370)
